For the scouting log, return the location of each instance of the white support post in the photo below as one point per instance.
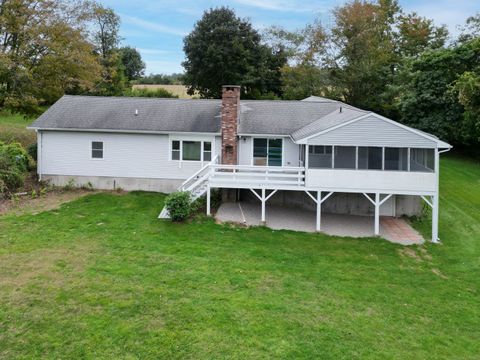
(435, 200)
(306, 157)
(377, 214)
(319, 210)
(435, 220)
(208, 201)
(263, 206)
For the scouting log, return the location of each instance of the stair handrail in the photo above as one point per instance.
(197, 175)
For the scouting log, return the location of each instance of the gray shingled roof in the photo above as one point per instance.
(334, 118)
(186, 115)
(280, 117)
(118, 113)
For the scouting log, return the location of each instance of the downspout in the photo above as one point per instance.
(39, 155)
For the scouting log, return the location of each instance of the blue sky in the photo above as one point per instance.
(157, 28)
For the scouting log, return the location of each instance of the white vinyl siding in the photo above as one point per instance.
(372, 131)
(290, 156)
(125, 155)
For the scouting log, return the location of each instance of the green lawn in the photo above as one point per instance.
(102, 278)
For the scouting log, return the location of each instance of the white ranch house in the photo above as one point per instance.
(315, 153)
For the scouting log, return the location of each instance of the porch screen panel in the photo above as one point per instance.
(274, 152)
(422, 160)
(320, 157)
(370, 158)
(396, 159)
(191, 150)
(260, 152)
(344, 157)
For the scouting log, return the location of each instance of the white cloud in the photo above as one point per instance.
(149, 51)
(152, 26)
(283, 5)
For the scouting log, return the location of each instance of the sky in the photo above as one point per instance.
(156, 27)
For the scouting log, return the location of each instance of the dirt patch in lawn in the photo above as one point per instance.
(28, 204)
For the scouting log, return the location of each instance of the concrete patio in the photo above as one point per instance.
(392, 229)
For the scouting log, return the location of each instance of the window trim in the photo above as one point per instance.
(252, 160)
(202, 150)
(92, 149)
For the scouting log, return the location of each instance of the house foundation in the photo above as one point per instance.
(114, 183)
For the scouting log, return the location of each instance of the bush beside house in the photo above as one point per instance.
(179, 205)
(14, 166)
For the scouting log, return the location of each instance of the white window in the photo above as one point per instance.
(267, 152)
(189, 150)
(207, 151)
(97, 149)
(176, 150)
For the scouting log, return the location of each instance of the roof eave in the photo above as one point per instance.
(162, 132)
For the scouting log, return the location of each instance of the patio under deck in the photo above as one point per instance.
(289, 218)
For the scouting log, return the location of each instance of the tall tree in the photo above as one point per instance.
(43, 52)
(132, 62)
(225, 49)
(363, 37)
(106, 31)
(105, 36)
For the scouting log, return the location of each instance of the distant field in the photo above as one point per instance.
(13, 127)
(180, 90)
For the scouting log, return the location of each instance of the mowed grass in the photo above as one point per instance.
(13, 129)
(103, 278)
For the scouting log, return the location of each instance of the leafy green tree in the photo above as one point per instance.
(363, 38)
(105, 37)
(441, 96)
(44, 52)
(225, 49)
(416, 34)
(132, 63)
(468, 88)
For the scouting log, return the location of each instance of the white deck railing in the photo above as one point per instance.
(257, 175)
(198, 177)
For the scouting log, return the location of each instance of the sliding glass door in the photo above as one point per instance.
(267, 152)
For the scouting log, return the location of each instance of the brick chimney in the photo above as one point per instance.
(230, 114)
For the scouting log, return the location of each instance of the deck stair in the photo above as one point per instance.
(196, 185)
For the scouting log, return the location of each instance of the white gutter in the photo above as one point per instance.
(124, 131)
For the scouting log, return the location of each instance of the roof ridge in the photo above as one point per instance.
(136, 97)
